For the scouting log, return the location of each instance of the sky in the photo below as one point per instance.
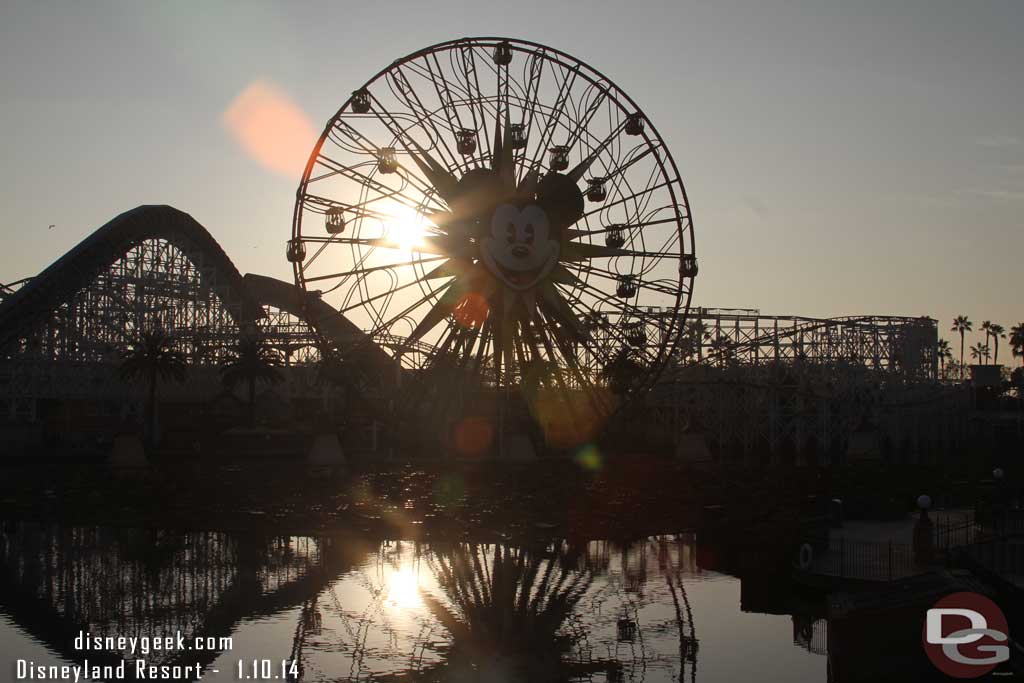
(840, 158)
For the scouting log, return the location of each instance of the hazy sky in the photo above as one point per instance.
(840, 158)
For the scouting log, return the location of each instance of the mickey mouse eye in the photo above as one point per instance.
(503, 223)
(536, 228)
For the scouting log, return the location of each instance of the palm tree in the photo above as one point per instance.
(251, 361)
(962, 325)
(980, 352)
(996, 331)
(986, 326)
(622, 371)
(154, 358)
(1017, 341)
(943, 353)
(335, 372)
(697, 333)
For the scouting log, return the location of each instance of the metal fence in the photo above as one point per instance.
(865, 560)
(951, 534)
(1003, 557)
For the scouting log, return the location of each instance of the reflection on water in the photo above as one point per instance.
(350, 609)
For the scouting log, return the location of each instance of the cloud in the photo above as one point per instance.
(759, 208)
(271, 128)
(1000, 141)
(1010, 195)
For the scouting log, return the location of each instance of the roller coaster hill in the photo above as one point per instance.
(739, 384)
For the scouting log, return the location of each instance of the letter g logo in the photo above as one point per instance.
(965, 652)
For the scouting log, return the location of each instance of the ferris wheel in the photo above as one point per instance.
(497, 210)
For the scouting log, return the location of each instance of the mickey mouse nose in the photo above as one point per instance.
(520, 250)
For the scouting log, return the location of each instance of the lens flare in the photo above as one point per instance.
(271, 128)
(589, 458)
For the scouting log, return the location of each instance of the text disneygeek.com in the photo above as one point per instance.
(125, 658)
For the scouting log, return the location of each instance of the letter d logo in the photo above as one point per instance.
(964, 635)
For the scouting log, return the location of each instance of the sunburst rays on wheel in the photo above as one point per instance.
(500, 217)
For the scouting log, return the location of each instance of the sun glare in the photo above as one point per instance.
(403, 590)
(405, 227)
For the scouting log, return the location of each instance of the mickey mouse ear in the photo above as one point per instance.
(478, 190)
(560, 198)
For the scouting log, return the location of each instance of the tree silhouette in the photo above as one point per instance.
(153, 358)
(943, 352)
(986, 327)
(250, 362)
(622, 371)
(996, 331)
(980, 352)
(696, 334)
(1017, 341)
(962, 325)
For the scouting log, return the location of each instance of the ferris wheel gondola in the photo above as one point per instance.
(500, 195)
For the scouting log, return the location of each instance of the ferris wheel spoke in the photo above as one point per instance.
(613, 175)
(469, 72)
(620, 306)
(643, 284)
(378, 297)
(535, 67)
(359, 210)
(561, 309)
(622, 200)
(501, 91)
(640, 202)
(573, 252)
(577, 173)
(425, 116)
(482, 342)
(592, 313)
(384, 192)
(445, 94)
(462, 297)
(575, 233)
(551, 120)
(575, 370)
(581, 126)
(383, 325)
(432, 171)
(441, 309)
(372, 269)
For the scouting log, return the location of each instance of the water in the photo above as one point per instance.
(350, 608)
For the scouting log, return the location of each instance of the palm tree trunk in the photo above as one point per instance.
(151, 408)
(961, 355)
(252, 402)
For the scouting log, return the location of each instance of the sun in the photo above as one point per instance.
(403, 590)
(404, 227)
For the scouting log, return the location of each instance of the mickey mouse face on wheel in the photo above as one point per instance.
(519, 229)
(519, 248)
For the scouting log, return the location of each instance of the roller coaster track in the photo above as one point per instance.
(80, 266)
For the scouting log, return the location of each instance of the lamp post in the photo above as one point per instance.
(999, 503)
(924, 533)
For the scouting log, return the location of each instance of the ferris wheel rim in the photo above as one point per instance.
(669, 169)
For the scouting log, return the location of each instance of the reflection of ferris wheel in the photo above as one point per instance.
(505, 207)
